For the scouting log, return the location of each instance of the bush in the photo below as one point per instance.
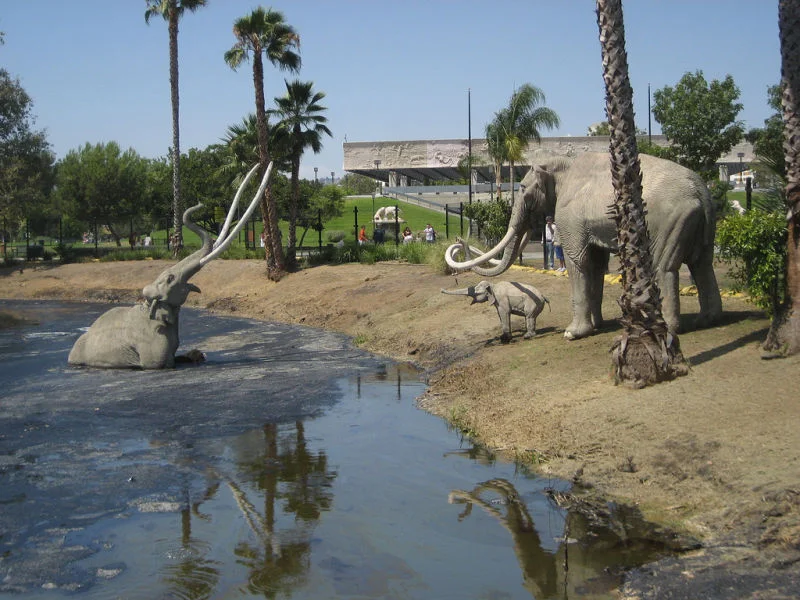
(755, 245)
(334, 236)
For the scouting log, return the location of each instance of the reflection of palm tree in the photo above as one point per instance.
(194, 576)
(286, 471)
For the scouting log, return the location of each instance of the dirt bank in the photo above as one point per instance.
(715, 454)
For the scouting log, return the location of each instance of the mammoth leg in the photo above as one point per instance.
(504, 312)
(670, 298)
(702, 271)
(530, 321)
(581, 324)
(598, 267)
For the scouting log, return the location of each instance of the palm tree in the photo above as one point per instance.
(517, 125)
(646, 352)
(171, 11)
(302, 126)
(265, 32)
(783, 338)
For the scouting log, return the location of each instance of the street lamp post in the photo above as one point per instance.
(741, 167)
(377, 167)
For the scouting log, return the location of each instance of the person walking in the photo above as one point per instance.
(548, 243)
(430, 234)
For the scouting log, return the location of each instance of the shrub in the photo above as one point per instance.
(334, 236)
(755, 245)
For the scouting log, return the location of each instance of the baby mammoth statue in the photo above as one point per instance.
(509, 298)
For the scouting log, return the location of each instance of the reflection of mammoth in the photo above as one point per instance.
(539, 567)
(509, 298)
(680, 221)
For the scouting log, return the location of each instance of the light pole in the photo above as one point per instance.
(315, 174)
(377, 167)
(741, 167)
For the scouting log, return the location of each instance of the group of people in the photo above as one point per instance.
(408, 235)
(135, 239)
(552, 246)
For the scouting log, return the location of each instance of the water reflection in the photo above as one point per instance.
(259, 479)
(597, 542)
(286, 473)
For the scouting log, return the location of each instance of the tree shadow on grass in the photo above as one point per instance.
(758, 335)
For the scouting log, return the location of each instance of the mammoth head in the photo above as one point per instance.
(481, 292)
(172, 286)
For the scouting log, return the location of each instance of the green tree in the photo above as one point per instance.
(515, 126)
(172, 11)
(302, 124)
(699, 119)
(264, 32)
(204, 180)
(646, 352)
(491, 218)
(783, 338)
(26, 162)
(354, 184)
(101, 184)
(754, 244)
(770, 165)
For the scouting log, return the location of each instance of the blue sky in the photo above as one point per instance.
(391, 70)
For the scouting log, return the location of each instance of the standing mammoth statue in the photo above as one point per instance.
(145, 336)
(680, 220)
(509, 298)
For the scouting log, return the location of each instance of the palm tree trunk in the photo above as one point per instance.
(177, 209)
(783, 338)
(273, 252)
(291, 258)
(646, 352)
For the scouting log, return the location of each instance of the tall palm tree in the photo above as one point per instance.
(172, 11)
(265, 33)
(303, 126)
(783, 338)
(646, 352)
(517, 125)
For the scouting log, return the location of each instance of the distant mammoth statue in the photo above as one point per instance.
(145, 336)
(578, 191)
(509, 298)
(386, 213)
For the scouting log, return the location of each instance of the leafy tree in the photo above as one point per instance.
(646, 352)
(754, 243)
(26, 162)
(265, 32)
(204, 180)
(323, 201)
(172, 11)
(302, 125)
(699, 119)
(770, 165)
(515, 126)
(783, 338)
(101, 184)
(353, 184)
(491, 218)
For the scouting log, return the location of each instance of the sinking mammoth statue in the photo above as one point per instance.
(680, 219)
(145, 336)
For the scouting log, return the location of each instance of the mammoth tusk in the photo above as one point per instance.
(222, 246)
(450, 253)
(232, 210)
